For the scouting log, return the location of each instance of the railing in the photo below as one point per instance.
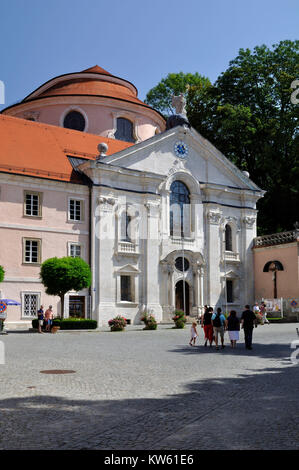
(231, 256)
(128, 248)
(184, 241)
(276, 238)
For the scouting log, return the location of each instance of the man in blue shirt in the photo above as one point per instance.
(40, 316)
(219, 324)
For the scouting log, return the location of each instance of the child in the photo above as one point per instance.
(193, 334)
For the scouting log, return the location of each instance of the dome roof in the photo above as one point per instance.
(94, 81)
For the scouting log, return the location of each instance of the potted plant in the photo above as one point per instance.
(117, 324)
(149, 321)
(179, 319)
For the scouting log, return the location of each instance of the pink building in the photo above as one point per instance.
(44, 201)
(276, 266)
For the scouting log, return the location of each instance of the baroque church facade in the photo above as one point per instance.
(163, 218)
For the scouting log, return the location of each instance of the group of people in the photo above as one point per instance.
(262, 312)
(215, 324)
(45, 318)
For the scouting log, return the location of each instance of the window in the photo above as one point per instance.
(75, 250)
(31, 250)
(75, 210)
(125, 288)
(74, 120)
(32, 204)
(124, 130)
(229, 292)
(179, 209)
(30, 304)
(77, 306)
(125, 227)
(228, 238)
(182, 264)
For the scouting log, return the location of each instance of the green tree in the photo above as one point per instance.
(160, 96)
(248, 116)
(2, 273)
(60, 275)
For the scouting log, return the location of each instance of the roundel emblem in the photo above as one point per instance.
(181, 149)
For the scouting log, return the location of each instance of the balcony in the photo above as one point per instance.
(231, 257)
(127, 248)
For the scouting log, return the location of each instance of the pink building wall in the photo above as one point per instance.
(54, 230)
(287, 280)
(100, 116)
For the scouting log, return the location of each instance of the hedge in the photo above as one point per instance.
(71, 323)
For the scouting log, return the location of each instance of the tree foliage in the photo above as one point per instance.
(248, 115)
(2, 273)
(160, 96)
(60, 275)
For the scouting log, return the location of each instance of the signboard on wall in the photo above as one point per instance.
(274, 306)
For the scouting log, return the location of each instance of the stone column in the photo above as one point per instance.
(248, 234)
(213, 256)
(153, 271)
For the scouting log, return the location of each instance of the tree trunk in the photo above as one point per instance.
(62, 305)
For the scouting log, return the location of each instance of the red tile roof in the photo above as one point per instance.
(94, 88)
(36, 149)
(97, 69)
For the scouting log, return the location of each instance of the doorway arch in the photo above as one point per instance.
(182, 296)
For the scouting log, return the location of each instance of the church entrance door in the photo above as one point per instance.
(180, 287)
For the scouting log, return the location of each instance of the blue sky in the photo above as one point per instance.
(141, 41)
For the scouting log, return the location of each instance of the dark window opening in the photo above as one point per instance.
(74, 120)
(228, 238)
(125, 288)
(182, 264)
(229, 291)
(124, 130)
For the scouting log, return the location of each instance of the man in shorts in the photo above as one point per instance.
(219, 325)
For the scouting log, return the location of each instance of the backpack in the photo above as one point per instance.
(217, 321)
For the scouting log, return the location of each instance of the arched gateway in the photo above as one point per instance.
(182, 283)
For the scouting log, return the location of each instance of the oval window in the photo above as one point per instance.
(182, 264)
(74, 120)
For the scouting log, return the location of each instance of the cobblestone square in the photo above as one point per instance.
(149, 390)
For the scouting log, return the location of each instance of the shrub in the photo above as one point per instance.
(71, 323)
(149, 321)
(2, 273)
(179, 319)
(117, 323)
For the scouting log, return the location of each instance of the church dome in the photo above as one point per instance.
(93, 101)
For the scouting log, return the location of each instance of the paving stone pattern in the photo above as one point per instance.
(149, 390)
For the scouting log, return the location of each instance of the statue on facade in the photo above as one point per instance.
(179, 103)
(180, 116)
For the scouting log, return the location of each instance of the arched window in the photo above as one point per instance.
(124, 130)
(179, 209)
(74, 120)
(125, 227)
(228, 238)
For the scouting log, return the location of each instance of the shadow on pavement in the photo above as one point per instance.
(251, 411)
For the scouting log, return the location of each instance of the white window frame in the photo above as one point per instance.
(40, 198)
(39, 253)
(38, 294)
(82, 209)
(69, 247)
(133, 273)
